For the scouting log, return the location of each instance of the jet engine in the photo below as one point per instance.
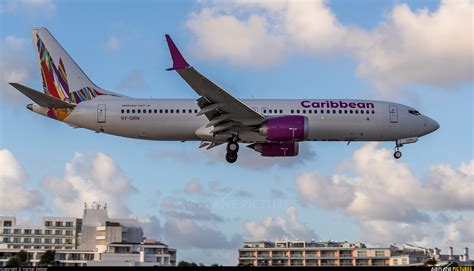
(285, 129)
(276, 149)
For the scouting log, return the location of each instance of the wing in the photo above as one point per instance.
(225, 112)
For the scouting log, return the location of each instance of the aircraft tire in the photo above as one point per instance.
(231, 157)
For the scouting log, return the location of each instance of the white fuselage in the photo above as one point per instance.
(176, 120)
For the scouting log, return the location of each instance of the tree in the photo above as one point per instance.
(430, 262)
(187, 264)
(22, 256)
(20, 259)
(13, 262)
(48, 258)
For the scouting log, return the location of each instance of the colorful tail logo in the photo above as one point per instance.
(55, 79)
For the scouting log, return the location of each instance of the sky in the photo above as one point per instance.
(418, 53)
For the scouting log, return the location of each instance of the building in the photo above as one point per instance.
(147, 253)
(301, 253)
(89, 240)
(416, 255)
(53, 233)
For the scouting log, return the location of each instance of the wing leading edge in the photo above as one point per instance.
(224, 112)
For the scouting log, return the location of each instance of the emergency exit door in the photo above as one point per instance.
(393, 113)
(101, 113)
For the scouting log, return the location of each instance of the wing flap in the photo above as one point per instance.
(40, 98)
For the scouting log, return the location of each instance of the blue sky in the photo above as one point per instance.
(216, 205)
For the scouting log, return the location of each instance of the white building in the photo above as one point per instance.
(89, 240)
(301, 253)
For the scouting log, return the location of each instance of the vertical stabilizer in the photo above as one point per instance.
(62, 77)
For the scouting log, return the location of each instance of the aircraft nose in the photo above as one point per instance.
(431, 125)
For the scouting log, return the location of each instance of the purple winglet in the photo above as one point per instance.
(178, 59)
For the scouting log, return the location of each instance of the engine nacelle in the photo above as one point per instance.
(285, 128)
(276, 149)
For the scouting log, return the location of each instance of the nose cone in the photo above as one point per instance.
(431, 125)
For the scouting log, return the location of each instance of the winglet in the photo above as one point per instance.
(178, 60)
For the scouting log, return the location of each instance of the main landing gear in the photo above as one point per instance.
(232, 149)
(397, 154)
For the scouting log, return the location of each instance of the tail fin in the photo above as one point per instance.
(62, 78)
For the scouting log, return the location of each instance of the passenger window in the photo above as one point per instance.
(171, 111)
(310, 111)
(328, 111)
(373, 111)
(156, 111)
(292, 111)
(357, 111)
(367, 111)
(177, 110)
(149, 110)
(362, 111)
(322, 111)
(184, 111)
(281, 111)
(122, 111)
(297, 111)
(195, 111)
(166, 111)
(133, 111)
(264, 111)
(340, 111)
(304, 111)
(139, 111)
(350, 111)
(128, 111)
(161, 111)
(190, 111)
(334, 111)
(345, 111)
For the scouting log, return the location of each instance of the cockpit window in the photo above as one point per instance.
(414, 112)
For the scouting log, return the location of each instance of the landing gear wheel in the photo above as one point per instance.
(397, 154)
(231, 157)
(232, 147)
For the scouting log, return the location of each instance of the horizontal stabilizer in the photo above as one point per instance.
(40, 98)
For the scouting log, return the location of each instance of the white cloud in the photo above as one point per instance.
(88, 178)
(193, 187)
(186, 233)
(389, 201)
(461, 230)
(10, 6)
(134, 80)
(47, 4)
(279, 228)
(15, 66)
(14, 194)
(406, 47)
(421, 47)
(220, 36)
(112, 44)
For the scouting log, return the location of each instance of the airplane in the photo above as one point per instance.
(272, 127)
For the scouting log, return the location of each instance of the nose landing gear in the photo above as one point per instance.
(232, 149)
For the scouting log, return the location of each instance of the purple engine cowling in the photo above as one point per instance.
(276, 149)
(285, 128)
